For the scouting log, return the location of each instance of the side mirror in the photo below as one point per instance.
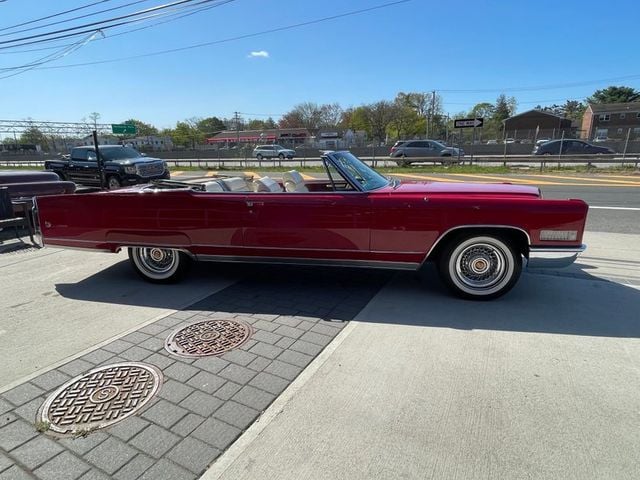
(143, 154)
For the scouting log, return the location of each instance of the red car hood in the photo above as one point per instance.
(464, 188)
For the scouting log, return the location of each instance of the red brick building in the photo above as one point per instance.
(611, 120)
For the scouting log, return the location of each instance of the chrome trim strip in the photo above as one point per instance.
(553, 257)
(310, 261)
(435, 244)
(83, 249)
(252, 247)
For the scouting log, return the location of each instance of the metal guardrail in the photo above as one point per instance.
(505, 160)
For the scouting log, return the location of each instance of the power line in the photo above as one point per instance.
(176, 16)
(51, 57)
(231, 39)
(95, 24)
(73, 18)
(54, 15)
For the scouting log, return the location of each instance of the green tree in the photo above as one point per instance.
(505, 107)
(614, 94)
(210, 125)
(186, 135)
(33, 135)
(574, 110)
(379, 116)
(144, 129)
(256, 124)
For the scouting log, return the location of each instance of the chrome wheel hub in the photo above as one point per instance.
(157, 260)
(480, 265)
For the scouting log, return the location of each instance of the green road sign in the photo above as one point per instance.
(125, 128)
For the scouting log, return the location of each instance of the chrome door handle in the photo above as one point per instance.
(251, 203)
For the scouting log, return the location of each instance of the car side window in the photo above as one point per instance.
(91, 156)
(79, 154)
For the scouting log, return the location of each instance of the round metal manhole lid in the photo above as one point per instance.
(99, 398)
(209, 337)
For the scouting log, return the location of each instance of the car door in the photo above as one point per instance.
(308, 224)
(215, 221)
(83, 167)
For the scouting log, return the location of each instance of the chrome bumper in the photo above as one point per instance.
(553, 257)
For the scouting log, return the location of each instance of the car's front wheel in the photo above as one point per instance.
(281, 156)
(159, 265)
(480, 267)
(259, 156)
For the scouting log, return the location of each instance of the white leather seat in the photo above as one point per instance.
(236, 184)
(214, 186)
(266, 184)
(293, 182)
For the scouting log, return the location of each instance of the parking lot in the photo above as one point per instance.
(348, 373)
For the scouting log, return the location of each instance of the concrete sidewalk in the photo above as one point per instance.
(540, 384)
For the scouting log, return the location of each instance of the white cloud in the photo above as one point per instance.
(259, 54)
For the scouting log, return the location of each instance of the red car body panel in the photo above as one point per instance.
(395, 225)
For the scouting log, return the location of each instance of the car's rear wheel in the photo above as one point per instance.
(480, 267)
(281, 156)
(259, 156)
(159, 265)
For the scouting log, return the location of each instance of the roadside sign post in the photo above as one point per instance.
(467, 123)
(99, 160)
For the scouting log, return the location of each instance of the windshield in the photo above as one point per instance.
(368, 178)
(119, 153)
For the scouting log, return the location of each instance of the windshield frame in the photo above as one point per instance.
(336, 157)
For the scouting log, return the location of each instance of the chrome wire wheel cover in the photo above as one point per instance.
(481, 265)
(156, 263)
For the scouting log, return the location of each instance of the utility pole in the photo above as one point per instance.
(236, 117)
(431, 112)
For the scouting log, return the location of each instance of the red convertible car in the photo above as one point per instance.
(478, 235)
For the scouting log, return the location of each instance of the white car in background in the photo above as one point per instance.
(273, 151)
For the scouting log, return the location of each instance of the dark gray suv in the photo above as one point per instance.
(409, 151)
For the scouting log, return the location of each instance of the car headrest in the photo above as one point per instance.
(236, 184)
(292, 176)
(266, 184)
(293, 182)
(213, 186)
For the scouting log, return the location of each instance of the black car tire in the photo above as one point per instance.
(479, 266)
(281, 156)
(113, 182)
(159, 265)
(259, 156)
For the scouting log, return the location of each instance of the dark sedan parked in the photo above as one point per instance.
(569, 147)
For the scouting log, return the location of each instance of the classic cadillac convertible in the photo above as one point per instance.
(476, 234)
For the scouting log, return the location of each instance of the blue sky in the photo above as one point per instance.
(420, 45)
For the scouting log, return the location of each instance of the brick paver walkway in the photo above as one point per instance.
(204, 404)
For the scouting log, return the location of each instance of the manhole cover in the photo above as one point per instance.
(99, 398)
(210, 337)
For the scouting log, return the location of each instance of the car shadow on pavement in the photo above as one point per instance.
(569, 301)
(332, 293)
